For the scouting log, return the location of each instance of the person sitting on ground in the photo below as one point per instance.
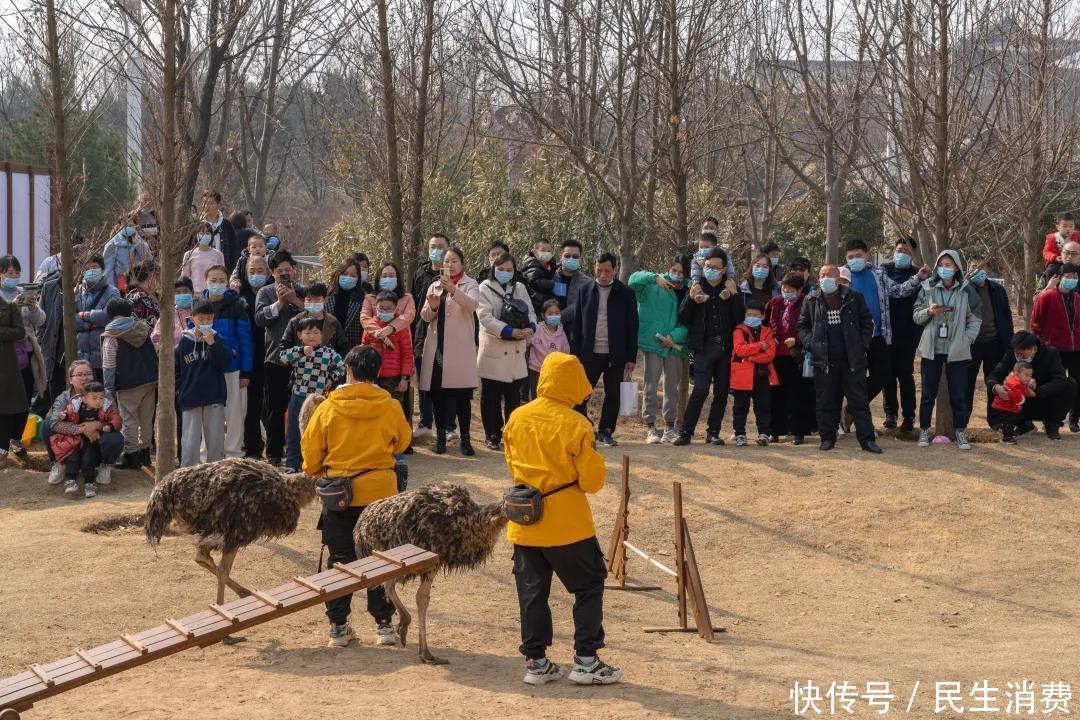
(79, 375)
(130, 365)
(92, 415)
(1054, 392)
(549, 447)
(752, 373)
(1005, 412)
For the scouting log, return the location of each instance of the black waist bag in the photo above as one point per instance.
(524, 504)
(336, 492)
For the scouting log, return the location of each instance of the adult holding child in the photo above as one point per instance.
(1055, 319)
(1054, 392)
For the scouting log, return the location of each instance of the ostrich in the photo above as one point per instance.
(441, 518)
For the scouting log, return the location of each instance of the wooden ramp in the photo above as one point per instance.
(20, 692)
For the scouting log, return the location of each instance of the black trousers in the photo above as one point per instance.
(581, 569)
(497, 401)
(1051, 409)
(712, 369)
(277, 403)
(85, 458)
(761, 396)
(1071, 361)
(959, 401)
(792, 400)
(11, 428)
(879, 363)
(902, 363)
(835, 381)
(110, 445)
(1006, 421)
(450, 403)
(985, 355)
(337, 536)
(600, 365)
(253, 434)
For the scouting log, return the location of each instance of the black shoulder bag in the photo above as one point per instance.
(523, 504)
(514, 312)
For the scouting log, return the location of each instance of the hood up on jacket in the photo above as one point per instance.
(360, 401)
(130, 329)
(563, 380)
(960, 279)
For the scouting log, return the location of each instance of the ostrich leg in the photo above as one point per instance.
(404, 618)
(423, 596)
(224, 568)
(205, 561)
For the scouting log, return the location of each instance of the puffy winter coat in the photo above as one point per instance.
(963, 321)
(658, 311)
(856, 323)
(232, 324)
(63, 445)
(396, 361)
(90, 318)
(121, 254)
(1050, 320)
(748, 353)
(501, 357)
(539, 281)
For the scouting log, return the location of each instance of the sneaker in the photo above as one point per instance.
(762, 439)
(597, 673)
(604, 439)
(798, 440)
(681, 439)
(670, 436)
(17, 448)
(541, 672)
(1008, 439)
(421, 431)
(924, 437)
(56, 474)
(90, 490)
(1074, 426)
(1052, 432)
(451, 436)
(653, 436)
(104, 474)
(962, 441)
(740, 441)
(71, 486)
(890, 421)
(384, 634)
(714, 439)
(340, 635)
(492, 443)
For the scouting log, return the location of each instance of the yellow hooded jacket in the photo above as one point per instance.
(549, 444)
(359, 427)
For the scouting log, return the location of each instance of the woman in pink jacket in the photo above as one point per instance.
(448, 370)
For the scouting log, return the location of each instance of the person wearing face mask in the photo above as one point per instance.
(568, 275)
(538, 272)
(948, 309)
(126, 249)
(315, 296)
(1055, 320)
(91, 297)
(836, 328)
(201, 258)
(130, 366)
(256, 247)
(222, 233)
(14, 401)
(662, 341)
(201, 359)
(143, 288)
(995, 333)
(387, 280)
(1056, 241)
(772, 250)
(31, 359)
(183, 296)
(501, 360)
(232, 326)
(257, 274)
(349, 290)
(707, 240)
(760, 283)
(1055, 393)
(497, 248)
(426, 273)
(792, 407)
(905, 339)
(273, 238)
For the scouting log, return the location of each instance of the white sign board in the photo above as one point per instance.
(25, 214)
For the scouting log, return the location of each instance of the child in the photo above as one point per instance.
(1055, 241)
(752, 372)
(317, 368)
(256, 247)
(273, 237)
(124, 251)
(201, 360)
(396, 350)
(201, 258)
(314, 306)
(548, 338)
(232, 325)
(1006, 413)
(130, 366)
(183, 296)
(82, 451)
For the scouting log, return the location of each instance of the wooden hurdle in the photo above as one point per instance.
(617, 549)
(19, 692)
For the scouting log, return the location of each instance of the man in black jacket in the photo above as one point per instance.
(568, 275)
(836, 327)
(996, 331)
(1054, 392)
(711, 310)
(602, 322)
(425, 275)
(905, 339)
(539, 273)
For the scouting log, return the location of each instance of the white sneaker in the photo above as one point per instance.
(670, 435)
(421, 431)
(598, 673)
(71, 486)
(385, 635)
(537, 674)
(962, 441)
(762, 439)
(740, 440)
(653, 436)
(104, 474)
(90, 490)
(451, 436)
(340, 635)
(56, 474)
(924, 438)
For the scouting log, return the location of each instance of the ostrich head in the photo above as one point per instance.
(302, 486)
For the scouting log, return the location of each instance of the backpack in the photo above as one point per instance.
(514, 312)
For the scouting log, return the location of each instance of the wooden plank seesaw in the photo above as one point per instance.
(19, 692)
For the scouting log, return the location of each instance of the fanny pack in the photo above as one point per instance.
(524, 504)
(336, 492)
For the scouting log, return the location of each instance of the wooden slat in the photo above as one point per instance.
(309, 585)
(135, 644)
(388, 558)
(87, 659)
(271, 601)
(349, 571)
(225, 613)
(180, 629)
(45, 678)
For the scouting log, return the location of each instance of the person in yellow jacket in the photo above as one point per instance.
(356, 433)
(549, 445)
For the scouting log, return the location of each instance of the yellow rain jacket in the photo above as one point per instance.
(549, 444)
(359, 427)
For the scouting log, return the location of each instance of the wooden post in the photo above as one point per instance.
(616, 553)
(680, 559)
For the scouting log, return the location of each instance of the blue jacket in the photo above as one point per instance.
(88, 329)
(122, 253)
(200, 372)
(233, 325)
(580, 315)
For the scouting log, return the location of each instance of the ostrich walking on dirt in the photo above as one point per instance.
(441, 518)
(227, 505)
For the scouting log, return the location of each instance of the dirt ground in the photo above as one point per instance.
(917, 565)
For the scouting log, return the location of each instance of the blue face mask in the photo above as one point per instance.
(571, 263)
(978, 277)
(856, 264)
(388, 283)
(205, 329)
(204, 239)
(703, 252)
(902, 260)
(711, 274)
(216, 289)
(128, 232)
(386, 316)
(10, 283)
(182, 300)
(774, 261)
(676, 280)
(1068, 284)
(553, 320)
(272, 242)
(436, 255)
(92, 276)
(504, 276)
(346, 282)
(313, 308)
(363, 276)
(828, 285)
(256, 281)
(760, 273)
(945, 273)
(752, 322)
(789, 295)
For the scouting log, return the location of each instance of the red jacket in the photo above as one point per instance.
(1051, 251)
(1017, 393)
(396, 361)
(63, 445)
(782, 319)
(1050, 322)
(748, 353)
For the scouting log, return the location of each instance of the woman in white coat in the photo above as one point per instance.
(501, 361)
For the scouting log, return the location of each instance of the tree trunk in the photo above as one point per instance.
(832, 228)
(269, 115)
(419, 143)
(393, 176)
